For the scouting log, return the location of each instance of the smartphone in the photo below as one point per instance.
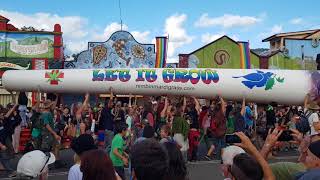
(232, 138)
(286, 136)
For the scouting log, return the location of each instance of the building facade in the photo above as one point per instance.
(293, 50)
(221, 53)
(28, 48)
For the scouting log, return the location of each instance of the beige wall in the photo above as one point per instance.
(316, 35)
(5, 99)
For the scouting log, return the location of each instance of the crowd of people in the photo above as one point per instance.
(157, 137)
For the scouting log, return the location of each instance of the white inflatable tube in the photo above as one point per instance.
(282, 86)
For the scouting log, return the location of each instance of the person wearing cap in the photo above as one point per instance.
(80, 145)
(312, 163)
(310, 110)
(50, 139)
(34, 164)
(227, 156)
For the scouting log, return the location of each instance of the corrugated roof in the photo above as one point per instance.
(290, 34)
(3, 19)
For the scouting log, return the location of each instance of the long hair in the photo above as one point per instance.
(96, 165)
(177, 167)
(147, 109)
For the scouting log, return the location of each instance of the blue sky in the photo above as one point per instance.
(190, 24)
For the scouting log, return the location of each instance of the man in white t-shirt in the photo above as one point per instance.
(313, 121)
(311, 109)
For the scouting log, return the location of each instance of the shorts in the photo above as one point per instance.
(48, 142)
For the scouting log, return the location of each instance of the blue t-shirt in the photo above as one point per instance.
(248, 116)
(313, 174)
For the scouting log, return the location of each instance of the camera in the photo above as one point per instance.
(232, 138)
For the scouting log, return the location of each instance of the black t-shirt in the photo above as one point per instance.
(106, 120)
(271, 117)
(65, 119)
(193, 114)
(120, 116)
(9, 124)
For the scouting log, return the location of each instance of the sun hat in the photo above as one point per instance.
(33, 163)
(229, 153)
(313, 106)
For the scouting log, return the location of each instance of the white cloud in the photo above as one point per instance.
(76, 32)
(208, 38)
(226, 21)
(276, 29)
(76, 46)
(72, 26)
(113, 27)
(296, 21)
(141, 37)
(178, 35)
(235, 37)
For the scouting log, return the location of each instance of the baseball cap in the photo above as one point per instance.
(32, 163)
(229, 153)
(314, 148)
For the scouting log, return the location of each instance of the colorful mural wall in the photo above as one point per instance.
(19, 45)
(298, 54)
(121, 50)
(222, 53)
(22, 49)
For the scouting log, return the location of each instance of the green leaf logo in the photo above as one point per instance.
(269, 84)
(280, 80)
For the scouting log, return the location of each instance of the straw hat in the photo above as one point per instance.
(313, 106)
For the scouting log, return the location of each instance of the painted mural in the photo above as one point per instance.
(293, 53)
(223, 53)
(22, 45)
(261, 79)
(121, 50)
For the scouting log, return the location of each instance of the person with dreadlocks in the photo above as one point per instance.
(180, 129)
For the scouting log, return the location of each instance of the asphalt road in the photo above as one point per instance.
(200, 170)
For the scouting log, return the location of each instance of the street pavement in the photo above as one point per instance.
(200, 170)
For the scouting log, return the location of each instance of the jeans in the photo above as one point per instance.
(23, 115)
(185, 156)
(120, 171)
(6, 155)
(108, 139)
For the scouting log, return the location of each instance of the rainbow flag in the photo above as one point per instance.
(245, 62)
(161, 51)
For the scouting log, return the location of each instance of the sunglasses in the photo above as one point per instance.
(48, 155)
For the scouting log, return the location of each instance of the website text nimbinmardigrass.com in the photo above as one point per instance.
(164, 87)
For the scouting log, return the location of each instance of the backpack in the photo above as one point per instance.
(303, 125)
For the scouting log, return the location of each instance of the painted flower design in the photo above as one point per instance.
(54, 77)
(261, 79)
(138, 52)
